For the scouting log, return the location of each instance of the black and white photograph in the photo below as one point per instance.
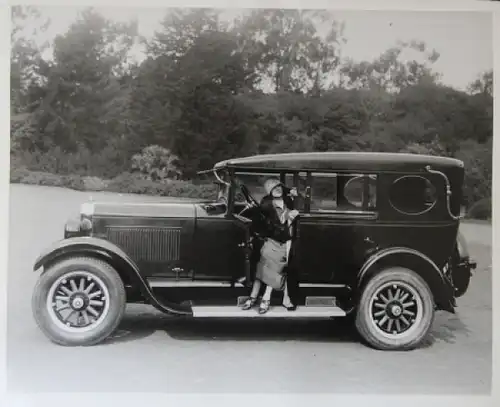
(242, 200)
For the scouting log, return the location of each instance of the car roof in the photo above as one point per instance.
(340, 160)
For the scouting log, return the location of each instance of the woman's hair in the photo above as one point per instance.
(270, 184)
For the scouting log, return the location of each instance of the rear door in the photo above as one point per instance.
(340, 208)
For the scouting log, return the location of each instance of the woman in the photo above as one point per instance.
(275, 268)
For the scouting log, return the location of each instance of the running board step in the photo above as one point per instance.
(273, 312)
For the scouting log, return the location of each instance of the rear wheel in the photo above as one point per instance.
(79, 301)
(396, 310)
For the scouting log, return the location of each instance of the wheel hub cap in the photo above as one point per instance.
(78, 303)
(394, 308)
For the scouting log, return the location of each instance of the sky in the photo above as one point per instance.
(463, 39)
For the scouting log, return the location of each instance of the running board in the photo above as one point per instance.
(273, 312)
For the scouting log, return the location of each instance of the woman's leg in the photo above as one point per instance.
(267, 294)
(287, 302)
(255, 288)
(266, 300)
(253, 295)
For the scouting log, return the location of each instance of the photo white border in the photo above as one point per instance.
(290, 400)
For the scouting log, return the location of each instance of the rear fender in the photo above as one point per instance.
(461, 266)
(116, 257)
(441, 288)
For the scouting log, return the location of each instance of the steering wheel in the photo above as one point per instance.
(251, 201)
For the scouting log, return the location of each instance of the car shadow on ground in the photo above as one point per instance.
(134, 327)
(447, 328)
(137, 327)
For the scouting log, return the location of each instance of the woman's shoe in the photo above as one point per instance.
(249, 303)
(264, 306)
(289, 306)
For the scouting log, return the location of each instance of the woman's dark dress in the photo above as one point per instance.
(271, 227)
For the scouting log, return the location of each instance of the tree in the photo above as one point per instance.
(483, 85)
(189, 85)
(477, 158)
(388, 72)
(285, 49)
(26, 56)
(85, 96)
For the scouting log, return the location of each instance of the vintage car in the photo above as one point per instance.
(378, 242)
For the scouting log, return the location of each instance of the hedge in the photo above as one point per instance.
(480, 210)
(125, 183)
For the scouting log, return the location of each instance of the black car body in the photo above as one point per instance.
(368, 222)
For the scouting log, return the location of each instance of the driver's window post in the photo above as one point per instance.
(307, 200)
(366, 192)
(232, 189)
(283, 179)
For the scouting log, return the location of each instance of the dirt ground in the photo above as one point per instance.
(153, 352)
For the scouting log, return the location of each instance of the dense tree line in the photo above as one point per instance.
(209, 89)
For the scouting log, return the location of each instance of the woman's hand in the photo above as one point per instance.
(293, 214)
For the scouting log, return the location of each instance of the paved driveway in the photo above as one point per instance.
(153, 352)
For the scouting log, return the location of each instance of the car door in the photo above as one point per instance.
(218, 254)
(333, 229)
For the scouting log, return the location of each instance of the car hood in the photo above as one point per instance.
(178, 209)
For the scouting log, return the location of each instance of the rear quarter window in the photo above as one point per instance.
(340, 192)
(412, 195)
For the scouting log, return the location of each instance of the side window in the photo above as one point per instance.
(299, 181)
(324, 192)
(341, 192)
(412, 195)
(361, 190)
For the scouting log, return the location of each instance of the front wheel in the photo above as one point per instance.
(396, 310)
(79, 301)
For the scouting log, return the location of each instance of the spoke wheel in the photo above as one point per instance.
(78, 301)
(396, 310)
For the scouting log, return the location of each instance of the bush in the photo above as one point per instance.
(107, 163)
(125, 183)
(43, 178)
(94, 184)
(156, 163)
(136, 184)
(480, 210)
(18, 174)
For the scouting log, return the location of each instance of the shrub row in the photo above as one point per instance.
(125, 183)
(480, 210)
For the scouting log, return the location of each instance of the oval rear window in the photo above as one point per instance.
(412, 195)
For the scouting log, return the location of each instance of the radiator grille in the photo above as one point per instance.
(151, 244)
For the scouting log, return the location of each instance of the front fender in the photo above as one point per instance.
(86, 245)
(82, 244)
(440, 286)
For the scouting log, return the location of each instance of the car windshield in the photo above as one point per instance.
(254, 183)
(222, 193)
